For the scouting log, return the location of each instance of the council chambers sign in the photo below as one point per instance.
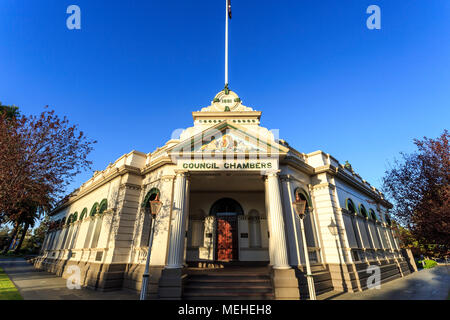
(228, 165)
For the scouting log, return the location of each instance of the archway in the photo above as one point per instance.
(226, 211)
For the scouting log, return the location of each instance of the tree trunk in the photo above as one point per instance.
(14, 234)
(24, 232)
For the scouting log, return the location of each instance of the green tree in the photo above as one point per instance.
(419, 185)
(9, 111)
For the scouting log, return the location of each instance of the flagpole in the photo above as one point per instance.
(226, 43)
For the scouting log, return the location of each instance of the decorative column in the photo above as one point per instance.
(171, 280)
(178, 224)
(284, 279)
(291, 222)
(271, 258)
(276, 224)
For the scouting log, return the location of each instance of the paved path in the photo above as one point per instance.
(428, 284)
(40, 285)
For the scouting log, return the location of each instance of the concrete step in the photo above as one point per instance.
(229, 283)
(229, 296)
(222, 278)
(222, 290)
(236, 284)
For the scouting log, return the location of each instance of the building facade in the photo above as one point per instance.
(227, 187)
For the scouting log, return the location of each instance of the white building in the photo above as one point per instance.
(227, 227)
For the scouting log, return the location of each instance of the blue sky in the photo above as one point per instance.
(137, 69)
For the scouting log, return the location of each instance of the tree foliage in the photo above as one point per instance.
(10, 112)
(419, 187)
(40, 156)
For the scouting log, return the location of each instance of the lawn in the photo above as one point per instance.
(7, 289)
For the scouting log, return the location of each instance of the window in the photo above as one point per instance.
(351, 206)
(310, 233)
(150, 196)
(362, 211)
(388, 219)
(103, 206)
(355, 255)
(94, 209)
(83, 214)
(372, 215)
(97, 231)
(226, 205)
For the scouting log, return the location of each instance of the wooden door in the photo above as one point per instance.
(227, 248)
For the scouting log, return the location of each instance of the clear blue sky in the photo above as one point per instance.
(137, 69)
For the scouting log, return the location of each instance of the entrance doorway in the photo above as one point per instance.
(226, 211)
(227, 240)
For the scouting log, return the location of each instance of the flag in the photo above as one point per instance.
(229, 8)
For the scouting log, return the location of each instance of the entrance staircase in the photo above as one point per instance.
(234, 282)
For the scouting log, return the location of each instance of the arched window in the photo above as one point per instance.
(362, 211)
(74, 217)
(153, 194)
(254, 229)
(351, 206)
(83, 214)
(226, 206)
(310, 233)
(388, 219)
(303, 196)
(94, 209)
(103, 206)
(373, 215)
(150, 196)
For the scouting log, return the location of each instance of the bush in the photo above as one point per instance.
(428, 264)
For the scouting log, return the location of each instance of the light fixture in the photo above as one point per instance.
(299, 206)
(155, 207)
(333, 228)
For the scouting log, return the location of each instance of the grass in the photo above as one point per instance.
(8, 290)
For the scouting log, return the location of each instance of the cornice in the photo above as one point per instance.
(296, 163)
(125, 169)
(162, 161)
(341, 174)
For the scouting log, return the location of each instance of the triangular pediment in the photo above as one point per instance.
(228, 138)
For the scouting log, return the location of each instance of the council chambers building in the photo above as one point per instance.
(228, 225)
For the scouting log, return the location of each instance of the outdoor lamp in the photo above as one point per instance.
(155, 206)
(299, 206)
(333, 228)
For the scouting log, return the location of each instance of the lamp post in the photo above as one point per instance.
(155, 207)
(299, 207)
